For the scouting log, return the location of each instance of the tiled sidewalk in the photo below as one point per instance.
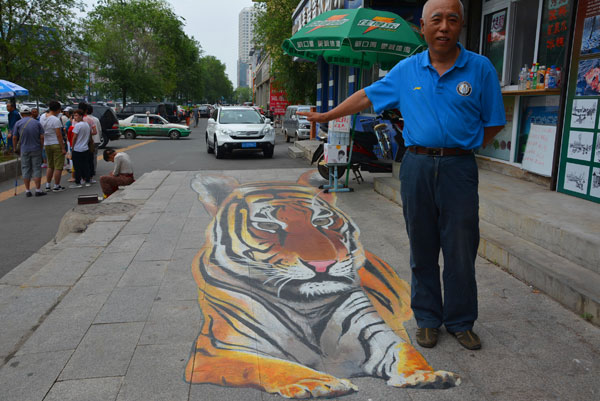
(113, 313)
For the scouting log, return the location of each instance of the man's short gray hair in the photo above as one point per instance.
(460, 5)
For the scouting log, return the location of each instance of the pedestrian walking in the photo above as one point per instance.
(451, 103)
(28, 139)
(195, 114)
(121, 175)
(80, 153)
(54, 146)
(96, 142)
(13, 117)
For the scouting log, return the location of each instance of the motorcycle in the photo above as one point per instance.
(372, 147)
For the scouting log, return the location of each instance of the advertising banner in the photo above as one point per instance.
(278, 101)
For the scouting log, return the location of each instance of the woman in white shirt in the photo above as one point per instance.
(80, 153)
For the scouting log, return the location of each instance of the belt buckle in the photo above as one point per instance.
(435, 152)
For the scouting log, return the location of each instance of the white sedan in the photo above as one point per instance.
(237, 127)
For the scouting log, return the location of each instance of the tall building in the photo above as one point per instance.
(245, 36)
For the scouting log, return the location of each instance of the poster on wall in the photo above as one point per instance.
(540, 149)
(583, 113)
(588, 78)
(501, 145)
(595, 188)
(580, 145)
(495, 38)
(554, 32)
(579, 170)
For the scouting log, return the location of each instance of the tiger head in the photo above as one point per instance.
(289, 239)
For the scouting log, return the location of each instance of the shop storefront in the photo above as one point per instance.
(552, 135)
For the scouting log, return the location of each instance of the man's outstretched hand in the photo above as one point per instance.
(313, 116)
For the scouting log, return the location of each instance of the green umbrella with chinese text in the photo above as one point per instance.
(357, 38)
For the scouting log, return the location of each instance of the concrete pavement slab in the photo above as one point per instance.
(29, 377)
(109, 263)
(28, 268)
(105, 350)
(19, 317)
(101, 389)
(100, 233)
(172, 322)
(150, 180)
(66, 267)
(143, 274)
(125, 243)
(141, 223)
(127, 304)
(138, 194)
(145, 379)
(210, 392)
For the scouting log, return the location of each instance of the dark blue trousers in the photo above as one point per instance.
(441, 211)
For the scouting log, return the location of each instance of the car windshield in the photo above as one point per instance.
(302, 109)
(240, 116)
(3, 107)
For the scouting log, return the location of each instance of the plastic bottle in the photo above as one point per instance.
(551, 78)
(541, 75)
(529, 80)
(522, 78)
(534, 70)
(558, 77)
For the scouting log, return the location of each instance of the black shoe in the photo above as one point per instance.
(467, 339)
(427, 336)
(40, 194)
(28, 194)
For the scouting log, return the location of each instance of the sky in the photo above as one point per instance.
(214, 24)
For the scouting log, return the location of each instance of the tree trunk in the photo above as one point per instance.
(124, 97)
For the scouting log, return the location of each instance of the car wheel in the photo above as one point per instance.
(103, 142)
(174, 134)
(219, 149)
(287, 138)
(268, 152)
(129, 134)
(209, 149)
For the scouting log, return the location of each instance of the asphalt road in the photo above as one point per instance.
(27, 224)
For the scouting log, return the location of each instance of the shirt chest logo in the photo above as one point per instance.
(464, 88)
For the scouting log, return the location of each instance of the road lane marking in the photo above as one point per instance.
(21, 188)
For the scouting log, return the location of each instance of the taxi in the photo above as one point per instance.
(151, 125)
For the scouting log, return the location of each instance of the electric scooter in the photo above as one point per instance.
(373, 148)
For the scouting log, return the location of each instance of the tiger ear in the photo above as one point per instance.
(213, 189)
(312, 178)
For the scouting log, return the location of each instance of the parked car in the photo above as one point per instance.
(3, 115)
(238, 127)
(151, 125)
(294, 126)
(166, 110)
(42, 107)
(204, 111)
(108, 121)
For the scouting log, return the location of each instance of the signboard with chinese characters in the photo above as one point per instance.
(277, 101)
(556, 19)
(579, 173)
(540, 149)
(495, 39)
(309, 9)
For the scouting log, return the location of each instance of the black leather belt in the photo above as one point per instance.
(421, 150)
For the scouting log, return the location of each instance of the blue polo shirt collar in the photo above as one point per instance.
(459, 63)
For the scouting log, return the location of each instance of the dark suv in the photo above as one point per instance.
(108, 121)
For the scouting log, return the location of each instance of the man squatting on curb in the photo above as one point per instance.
(121, 175)
(451, 103)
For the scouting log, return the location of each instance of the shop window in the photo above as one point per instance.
(541, 110)
(494, 40)
(343, 84)
(554, 30)
(521, 38)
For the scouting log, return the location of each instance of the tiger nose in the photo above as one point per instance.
(321, 266)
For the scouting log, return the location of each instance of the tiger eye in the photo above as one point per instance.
(321, 222)
(268, 226)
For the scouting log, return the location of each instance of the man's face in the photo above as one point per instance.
(78, 117)
(9, 107)
(35, 113)
(441, 25)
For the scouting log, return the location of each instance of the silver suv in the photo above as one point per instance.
(294, 126)
(238, 127)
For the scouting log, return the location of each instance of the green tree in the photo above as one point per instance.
(215, 83)
(242, 94)
(134, 44)
(37, 48)
(273, 25)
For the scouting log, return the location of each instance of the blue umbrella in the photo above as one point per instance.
(9, 89)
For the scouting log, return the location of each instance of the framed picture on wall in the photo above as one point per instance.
(580, 145)
(576, 177)
(595, 188)
(583, 113)
(588, 78)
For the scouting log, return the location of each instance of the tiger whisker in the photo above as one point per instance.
(281, 287)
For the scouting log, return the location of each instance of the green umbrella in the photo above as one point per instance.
(357, 37)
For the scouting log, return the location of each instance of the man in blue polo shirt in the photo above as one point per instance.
(451, 103)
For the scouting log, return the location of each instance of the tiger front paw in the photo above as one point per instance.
(318, 387)
(439, 379)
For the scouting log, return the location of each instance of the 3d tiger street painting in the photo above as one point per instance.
(292, 303)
